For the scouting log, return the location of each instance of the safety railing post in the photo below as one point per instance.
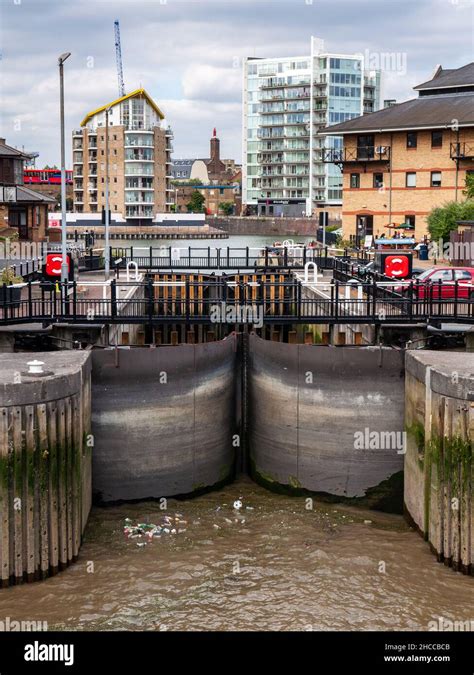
(5, 305)
(455, 298)
(30, 300)
(150, 300)
(186, 290)
(74, 299)
(113, 299)
(374, 296)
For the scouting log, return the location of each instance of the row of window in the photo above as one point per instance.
(410, 179)
(436, 139)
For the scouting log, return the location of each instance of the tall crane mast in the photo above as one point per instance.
(118, 57)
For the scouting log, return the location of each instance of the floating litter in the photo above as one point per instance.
(237, 504)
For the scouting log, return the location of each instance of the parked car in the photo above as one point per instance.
(440, 282)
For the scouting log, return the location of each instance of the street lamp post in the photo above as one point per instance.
(107, 212)
(64, 265)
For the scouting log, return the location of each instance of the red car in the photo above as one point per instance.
(440, 282)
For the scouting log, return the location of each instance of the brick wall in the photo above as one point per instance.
(417, 201)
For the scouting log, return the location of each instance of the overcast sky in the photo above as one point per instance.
(188, 55)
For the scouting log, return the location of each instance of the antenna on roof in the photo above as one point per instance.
(118, 58)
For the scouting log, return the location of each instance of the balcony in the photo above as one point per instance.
(131, 170)
(366, 153)
(77, 132)
(459, 151)
(138, 212)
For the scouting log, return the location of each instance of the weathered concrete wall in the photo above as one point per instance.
(439, 460)
(45, 463)
(280, 227)
(305, 404)
(163, 419)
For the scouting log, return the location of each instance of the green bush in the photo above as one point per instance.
(443, 219)
(8, 276)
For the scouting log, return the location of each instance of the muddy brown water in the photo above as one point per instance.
(281, 566)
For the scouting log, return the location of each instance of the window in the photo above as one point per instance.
(442, 275)
(365, 146)
(436, 139)
(410, 220)
(355, 180)
(410, 179)
(462, 275)
(378, 180)
(115, 179)
(436, 179)
(412, 139)
(115, 137)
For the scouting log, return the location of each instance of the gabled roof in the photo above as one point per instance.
(8, 151)
(426, 112)
(453, 77)
(24, 194)
(133, 94)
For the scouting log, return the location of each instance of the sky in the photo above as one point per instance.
(188, 55)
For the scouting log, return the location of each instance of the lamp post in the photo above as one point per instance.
(64, 265)
(107, 212)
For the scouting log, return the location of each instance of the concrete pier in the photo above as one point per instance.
(439, 480)
(45, 463)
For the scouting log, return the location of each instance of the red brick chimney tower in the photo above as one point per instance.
(214, 166)
(215, 147)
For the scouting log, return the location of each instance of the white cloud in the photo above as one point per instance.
(209, 83)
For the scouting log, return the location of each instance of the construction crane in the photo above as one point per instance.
(118, 56)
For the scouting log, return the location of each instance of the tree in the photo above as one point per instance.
(469, 183)
(227, 208)
(197, 202)
(443, 219)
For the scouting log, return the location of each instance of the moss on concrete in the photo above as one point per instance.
(387, 496)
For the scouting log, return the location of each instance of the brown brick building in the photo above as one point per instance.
(139, 159)
(23, 212)
(401, 162)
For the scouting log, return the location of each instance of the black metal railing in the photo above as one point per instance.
(461, 150)
(366, 153)
(343, 299)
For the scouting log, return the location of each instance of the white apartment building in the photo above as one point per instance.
(286, 101)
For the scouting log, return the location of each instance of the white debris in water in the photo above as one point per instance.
(237, 504)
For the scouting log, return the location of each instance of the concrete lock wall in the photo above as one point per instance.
(306, 403)
(439, 464)
(45, 463)
(163, 419)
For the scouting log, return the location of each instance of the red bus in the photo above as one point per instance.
(45, 176)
